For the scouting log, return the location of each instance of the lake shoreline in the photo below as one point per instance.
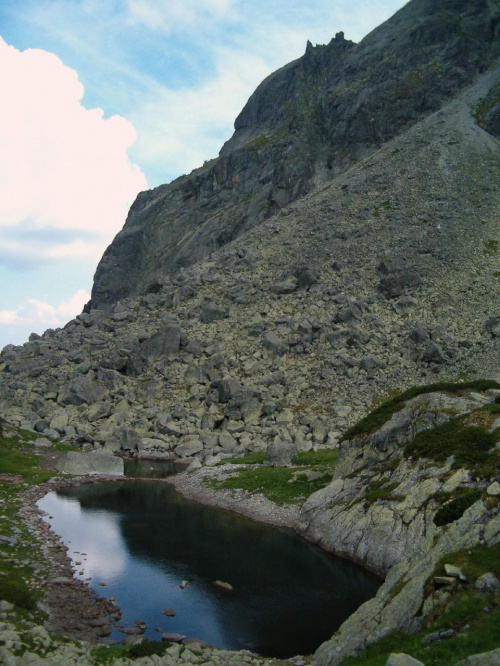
(76, 611)
(252, 505)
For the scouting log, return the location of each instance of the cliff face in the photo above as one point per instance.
(305, 124)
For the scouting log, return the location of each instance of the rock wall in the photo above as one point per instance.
(379, 511)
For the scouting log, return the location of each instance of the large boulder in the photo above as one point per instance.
(73, 462)
(81, 391)
(165, 342)
(280, 454)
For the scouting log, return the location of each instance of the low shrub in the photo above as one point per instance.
(383, 413)
(455, 508)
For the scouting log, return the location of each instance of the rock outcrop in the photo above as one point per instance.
(384, 509)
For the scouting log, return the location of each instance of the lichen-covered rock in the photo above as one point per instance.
(280, 454)
(81, 391)
(76, 463)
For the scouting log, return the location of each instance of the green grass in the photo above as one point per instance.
(276, 483)
(288, 485)
(383, 413)
(466, 608)
(13, 457)
(17, 582)
(474, 563)
(106, 654)
(472, 446)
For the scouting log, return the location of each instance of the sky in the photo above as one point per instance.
(102, 99)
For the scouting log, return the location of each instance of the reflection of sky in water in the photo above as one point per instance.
(141, 539)
(95, 533)
(141, 587)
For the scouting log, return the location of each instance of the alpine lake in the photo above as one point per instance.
(137, 540)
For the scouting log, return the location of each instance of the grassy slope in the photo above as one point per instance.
(312, 471)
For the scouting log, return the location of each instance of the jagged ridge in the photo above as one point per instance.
(304, 124)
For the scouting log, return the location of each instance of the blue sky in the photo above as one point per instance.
(104, 98)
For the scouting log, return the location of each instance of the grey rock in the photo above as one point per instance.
(274, 343)
(420, 334)
(173, 637)
(402, 659)
(227, 442)
(285, 287)
(433, 354)
(306, 276)
(211, 312)
(43, 442)
(72, 462)
(488, 582)
(280, 454)
(128, 439)
(494, 489)
(165, 342)
(81, 391)
(50, 433)
(41, 425)
(454, 572)
(189, 446)
(228, 389)
(484, 659)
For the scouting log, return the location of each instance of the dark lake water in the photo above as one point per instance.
(142, 539)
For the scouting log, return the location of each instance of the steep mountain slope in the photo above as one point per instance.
(304, 125)
(382, 279)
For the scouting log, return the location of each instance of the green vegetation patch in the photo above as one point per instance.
(288, 485)
(19, 554)
(383, 413)
(474, 563)
(455, 508)
(473, 615)
(469, 444)
(256, 458)
(491, 248)
(320, 457)
(380, 490)
(15, 460)
(106, 654)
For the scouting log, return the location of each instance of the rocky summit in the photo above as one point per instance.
(344, 246)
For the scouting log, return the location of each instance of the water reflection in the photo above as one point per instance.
(142, 539)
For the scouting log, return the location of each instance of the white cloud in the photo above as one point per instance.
(63, 167)
(41, 314)
(186, 127)
(159, 15)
